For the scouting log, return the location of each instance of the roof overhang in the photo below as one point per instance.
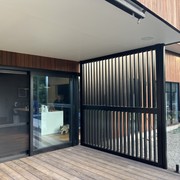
(77, 29)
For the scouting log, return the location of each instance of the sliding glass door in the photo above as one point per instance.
(52, 111)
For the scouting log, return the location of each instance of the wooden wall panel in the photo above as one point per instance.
(167, 9)
(172, 67)
(31, 61)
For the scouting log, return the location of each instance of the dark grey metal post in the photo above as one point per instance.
(161, 115)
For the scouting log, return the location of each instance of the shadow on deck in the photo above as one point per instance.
(80, 163)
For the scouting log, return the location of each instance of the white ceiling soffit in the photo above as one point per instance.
(76, 29)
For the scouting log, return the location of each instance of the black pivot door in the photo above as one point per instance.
(14, 113)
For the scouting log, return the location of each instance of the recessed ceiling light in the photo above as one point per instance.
(148, 38)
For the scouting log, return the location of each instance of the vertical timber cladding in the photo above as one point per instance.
(119, 104)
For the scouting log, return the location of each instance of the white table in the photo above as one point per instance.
(51, 121)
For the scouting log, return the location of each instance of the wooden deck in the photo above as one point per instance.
(80, 163)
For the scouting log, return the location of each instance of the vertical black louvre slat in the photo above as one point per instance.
(100, 83)
(132, 132)
(120, 82)
(145, 137)
(121, 143)
(106, 138)
(97, 123)
(90, 84)
(87, 84)
(154, 95)
(114, 131)
(109, 82)
(104, 129)
(149, 78)
(83, 84)
(144, 79)
(103, 82)
(110, 129)
(88, 123)
(150, 139)
(94, 127)
(84, 129)
(128, 132)
(125, 80)
(101, 130)
(140, 79)
(117, 82)
(125, 128)
(102, 122)
(155, 139)
(95, 83)
(131, 82)
(91, 126)
(141, 138)
(114, 82)
(128, 80)
(154, 103)
(136, 134)
(123, 83)
(117, 130)
(136, 75)
(106, 84)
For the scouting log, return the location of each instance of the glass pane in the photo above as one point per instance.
(167, 87)
(168, 109)
(175, 104)
(14, 114)
(173, 127)
(52, 111)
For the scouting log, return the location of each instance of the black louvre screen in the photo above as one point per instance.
(119, 104)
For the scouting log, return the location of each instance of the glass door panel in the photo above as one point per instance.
(51, 111)
(14, 113)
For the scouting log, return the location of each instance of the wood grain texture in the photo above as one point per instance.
(31, 61)
(169, 10)
(172, 67)
(79, 162)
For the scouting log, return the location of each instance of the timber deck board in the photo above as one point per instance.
(80, 162)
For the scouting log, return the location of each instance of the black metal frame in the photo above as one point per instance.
(107, 118)
(126, 9)
(162, 135)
